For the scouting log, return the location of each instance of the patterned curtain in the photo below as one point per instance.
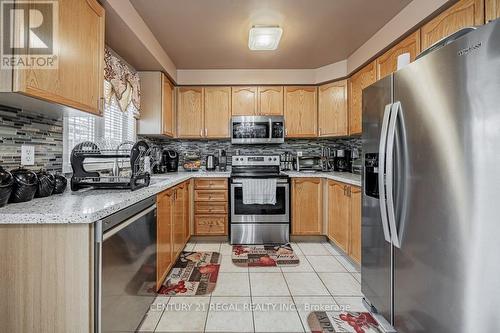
(124, 83)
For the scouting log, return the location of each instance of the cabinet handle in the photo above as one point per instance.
(201, 132)
(206, 132)
(100, 105)
(286, 131)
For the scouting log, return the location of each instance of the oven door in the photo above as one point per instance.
(277, 213)
(257, 129)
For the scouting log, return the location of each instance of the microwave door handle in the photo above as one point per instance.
(270, 129)
(381, 174)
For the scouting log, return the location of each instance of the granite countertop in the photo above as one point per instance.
(88, 205)
(344, 177)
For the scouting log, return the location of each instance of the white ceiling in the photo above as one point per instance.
(212, 34)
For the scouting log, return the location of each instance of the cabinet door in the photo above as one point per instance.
(307, 206)
(332, 109)
(388, 62)
(355, 224)
(217, 112)
(301, 112)
(178, 223)
(187, 213)
(492, 9)
(359, 81)
(190, 112)
(244, 101)
(464, 13)
(78, 80)
(338, 215)
(167, 103)
(164, 257)
(270, 101)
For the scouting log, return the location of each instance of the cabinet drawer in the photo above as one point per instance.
(210, 184)
(206, 195)
(210, 224)
(204, 207)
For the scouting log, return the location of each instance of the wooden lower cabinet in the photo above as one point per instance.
(210, 206)
(344, 218)
(307, 207)
(338, 215)
(172, 227)
(210, 224)
(164, 255)
(355, 224)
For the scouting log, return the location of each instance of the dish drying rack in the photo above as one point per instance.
(136, 155)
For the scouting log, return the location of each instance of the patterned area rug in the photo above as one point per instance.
(194, 273)
(264, 255)
(355, 322)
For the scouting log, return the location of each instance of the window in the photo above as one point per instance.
(113, 127)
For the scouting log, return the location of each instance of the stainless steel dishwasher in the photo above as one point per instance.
(125, 267)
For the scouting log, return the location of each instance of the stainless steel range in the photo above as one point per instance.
(259, 223)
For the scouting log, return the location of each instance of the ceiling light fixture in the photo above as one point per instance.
(264, 38)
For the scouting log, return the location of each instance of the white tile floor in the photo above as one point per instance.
(266, 299)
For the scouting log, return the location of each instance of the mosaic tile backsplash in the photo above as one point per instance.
(307, 146)
(18, 127)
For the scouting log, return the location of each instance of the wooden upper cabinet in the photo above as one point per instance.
(157, 105)
(338, 214)
(492, 10)
(190, 112)
(244, 101)
(307, 208)
(355, 223)
(168, 118)
(388, 62)
(464, 13)
(332, 109)
(359, 81)
(270, 101)
(301, 112)
(217, 112)
(78, 80)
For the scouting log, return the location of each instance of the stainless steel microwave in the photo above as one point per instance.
(257, 129)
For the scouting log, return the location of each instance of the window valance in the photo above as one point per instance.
(124, 82)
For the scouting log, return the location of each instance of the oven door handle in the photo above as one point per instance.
(127, 222)
(279, 182)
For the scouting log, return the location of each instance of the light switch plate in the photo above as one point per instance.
(27, 155)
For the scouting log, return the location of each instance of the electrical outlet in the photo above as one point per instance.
(299, 154)
(27, 155)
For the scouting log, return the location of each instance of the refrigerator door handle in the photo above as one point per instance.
(381, 174)
(391, 137)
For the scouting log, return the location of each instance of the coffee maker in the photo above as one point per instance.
(170, 159)
(222, 160)
(342, 160)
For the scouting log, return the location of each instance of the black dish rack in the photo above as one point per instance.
(137, 153)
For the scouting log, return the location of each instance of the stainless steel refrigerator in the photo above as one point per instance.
(431, 194)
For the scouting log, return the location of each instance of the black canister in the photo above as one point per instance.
(25, 185)
(6, 181)
(46, 184)
(61, 183)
